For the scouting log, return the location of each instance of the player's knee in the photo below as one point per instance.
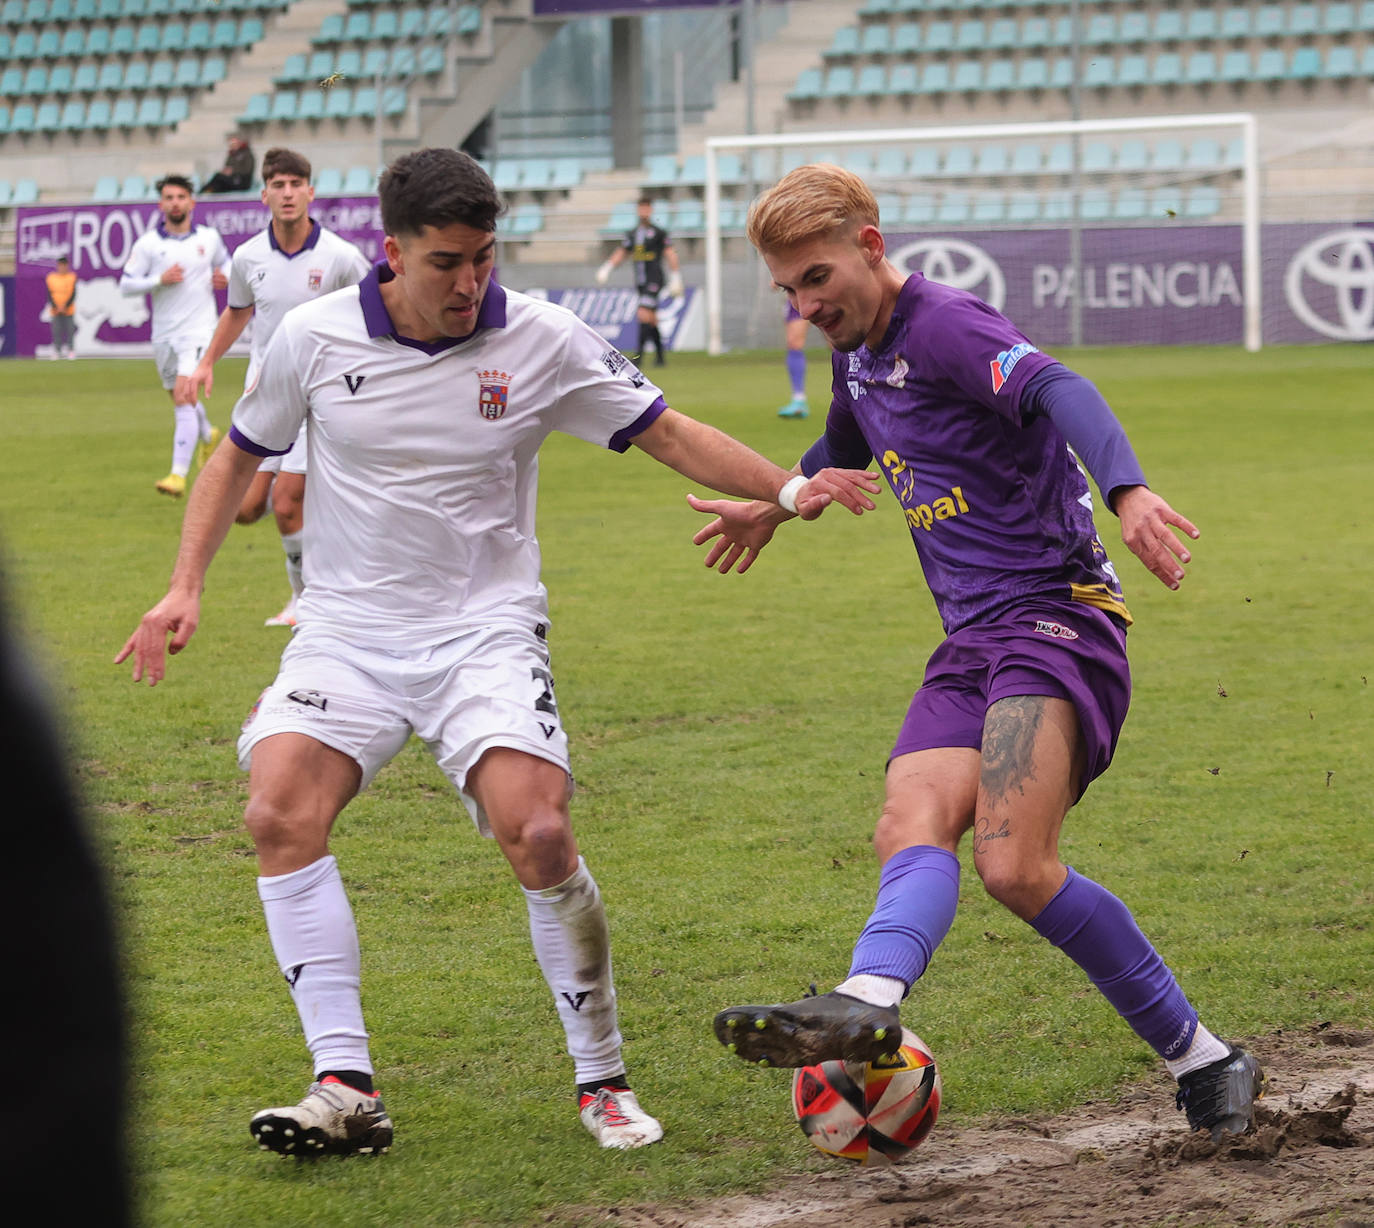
(1022, 888)
(277, 829)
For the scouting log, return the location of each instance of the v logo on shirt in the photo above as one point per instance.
(354, 382)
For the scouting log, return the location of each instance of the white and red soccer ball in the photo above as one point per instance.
(873, 1114)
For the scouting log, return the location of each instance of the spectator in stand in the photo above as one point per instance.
(236, 175)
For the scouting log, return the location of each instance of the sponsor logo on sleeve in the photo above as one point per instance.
(1005, 362)
(1056, 631)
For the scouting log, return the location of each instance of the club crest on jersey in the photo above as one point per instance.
(1004, 363)
(1056, 631)
(314, 279)
(494, 389)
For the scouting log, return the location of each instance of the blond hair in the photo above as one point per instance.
(813, 201)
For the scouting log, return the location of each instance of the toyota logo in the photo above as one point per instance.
(952, 262)
(1330, 285)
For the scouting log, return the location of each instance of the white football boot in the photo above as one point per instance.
(614, 1118)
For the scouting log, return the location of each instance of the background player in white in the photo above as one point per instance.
(180, 265)
(428, 390)
(291, 262)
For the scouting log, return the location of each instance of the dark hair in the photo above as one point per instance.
(437, 187)
(175, 181)
(646, 200)
(63, 260)
(285, 162)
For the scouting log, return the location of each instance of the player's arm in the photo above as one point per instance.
(613, 261)
(1086, 421)
(214, 502)
(232, 322)
(674, 286)
(138, 276)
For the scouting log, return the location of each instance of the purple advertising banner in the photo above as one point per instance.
(1160, 285)
(97, 239)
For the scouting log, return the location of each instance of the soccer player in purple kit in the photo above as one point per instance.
(1021, 705)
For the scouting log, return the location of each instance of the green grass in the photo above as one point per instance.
(729, 735)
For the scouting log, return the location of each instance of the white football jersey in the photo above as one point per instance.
(184, 310)
(271, 282)
(424, 457)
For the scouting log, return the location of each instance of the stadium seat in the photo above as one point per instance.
(364, 102)
(1095, 204)
(1166, 202)
(1100, 72)
(150, 112)
(525, 220)
(567, 174)
(1235, 66)
(1061, 73)
(328, 181)
(891, 163)
(992, 160)
(1059, 160)
(1023, 207)
(136, 75)
(919, 209)
(349, 63)
(133, 187)
(49, 45)
(1035, 33)
(224, 35)
(621, 219)
(25, 45)
(1133, 154)
(386, 26)
(808, 86)
(106, 188)
(1168, 26)
(250, 32)
(85, 80)
(1098, 157)
(258, 110)
(360, 180)
(73, 43)
(844, 45)
(1000, 77)
(338, 103)
(1201, 68)
(536, 174)
(1135, 27)
(839, 82)
(660, 170)
(970, 36)
(876, 40)
(939, 37)
(22, 119)
(1367, 62)
(1203, 201)
(331, 30)
(1201, 25)
(1304, 20)
(320, 65)
(98, 115)
(872, 81)
(431, 59)
(902, 81)
(1339, 19)
(60, 81)
(935, 78)
(48, 117)
(989, 207)
(925, 162)
(284, 105)
(1235, 23)
(36, 79)
(357, 27)
(1306, 64)
(1167, 69)
(374, 62)
(958, 162)
(122, 39)
(198, 34)
(1101, 31)
(176, 110)
(162, 74)
(1131, 205)
(907, 40)
(25, 192)
(1003, 35)
(1271, 65)
(1025, 159)
(310, 105)
(1133, 71)
(1204, 154)
(1269, 21)
(98, 41)
(1033, 74)
(1340, 63)
(402, 62)
(953, 209)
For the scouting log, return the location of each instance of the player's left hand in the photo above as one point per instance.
(675, 289)
(1146, 522)
(850, 488)
(743, 529)
(219, 280)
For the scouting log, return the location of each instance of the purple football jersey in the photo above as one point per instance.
(995, 501)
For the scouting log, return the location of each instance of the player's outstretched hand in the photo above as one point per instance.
(1146, 522)
(742, 530)
(202, 381)
(850, 488)
(176, 615)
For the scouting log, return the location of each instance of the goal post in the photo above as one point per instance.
(928, 174)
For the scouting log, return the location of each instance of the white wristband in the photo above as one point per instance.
(787, 496)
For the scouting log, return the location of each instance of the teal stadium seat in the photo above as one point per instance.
(61, 81)
(919, 210)
(839, 82)
(136, 75)
(23, 119)
(25, 45)
(1003, 35)
(310, 105)
(1235, 23)
(1271, 65)
(258, 110)
(338, 103)
(536, 175)
(859, 161)
(86, 79)
(36, 79)
(1133, 71)
(1204, 154)
(1201, 26)
(1304, 20)
(374, 62)
(1166, 202)
(808, 86)
(872, 81)
(1339, 19)
(1061, 73)
(1203, 202)
(1133, 154)
(224, 35)
(349, 63)
(358, 27)
(331, 30)
(122, 39)
(1131, 205)
(958, 162)
(844, 45)
(953, 209)
(1101, 31)
(621, 219)
(431, 59)
(1167, 69)
(1059, 160)
(360, 180)
(150, 112)
(328, 181)
(1306, 64)
(876, 40)
(175, 110)
(902, 81)
(1201, 69)
(133, 187)
(73, 43)
(162, 74)
(250, 32)
(1023, 207)
(1035, 33)
(48, 118)
(98, 40)
(891, 163)
(526, 220)
(935, 78)
(1269, 21)
(939, 37)
(970, 36)
(1033, 74)
(925, 162)
(567, 174)
(1000, 77)
(992, 160)
(1100, 72)
(386, 26)
(1098, 158)
(319, 66)
(1168, 26)
(106, 188)
(1340, 63)
(285, 104)
(213, 70)
(1367, 62)
(1135, 27)
(1025, 159)
(989, 207)
(98, 115)
(1095, 204)
(907, 40)
(198, 35)
(660, 170)
(1235, 66)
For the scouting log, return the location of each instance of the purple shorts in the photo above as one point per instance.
(1065, 650)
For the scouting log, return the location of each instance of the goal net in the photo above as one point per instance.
(1087, 232)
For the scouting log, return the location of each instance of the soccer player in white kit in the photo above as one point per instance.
(181, 265)
(291, 262)
(427, 390)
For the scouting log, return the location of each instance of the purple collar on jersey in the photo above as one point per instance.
(167, 234)
(308, 244)
(491, 314)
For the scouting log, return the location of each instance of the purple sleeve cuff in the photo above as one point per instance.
(1084, 418)
(241, 440)
(621, 440)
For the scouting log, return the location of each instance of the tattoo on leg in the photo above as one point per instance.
(1009, 744)
(983, 833)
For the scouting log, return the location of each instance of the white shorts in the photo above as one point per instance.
(292, 461)
(177, 356)
(485, 689)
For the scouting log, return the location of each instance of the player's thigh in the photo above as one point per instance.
(340, 694)
(297, 787)
(928, 798)
(488, 691)
(525, 801)
(165, 359)
(187, 355)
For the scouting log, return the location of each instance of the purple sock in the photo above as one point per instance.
(917, 895)
(1096, 930)
(796, 371)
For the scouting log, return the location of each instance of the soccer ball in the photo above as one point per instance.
(875, 1113)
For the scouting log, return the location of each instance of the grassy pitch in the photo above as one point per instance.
(729, 735)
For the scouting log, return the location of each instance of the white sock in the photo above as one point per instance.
(291, 543)
(203, 420)
(1204, 1050)
(875, 990)
(185, 436)
(573, 946)
(316, 945)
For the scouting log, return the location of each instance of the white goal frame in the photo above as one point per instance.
(1249, 169)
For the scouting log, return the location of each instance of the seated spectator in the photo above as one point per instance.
(236, 175)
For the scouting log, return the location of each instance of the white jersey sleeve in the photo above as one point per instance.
(141, 274)
(600, 393)
(268, 416)
(240, 293)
